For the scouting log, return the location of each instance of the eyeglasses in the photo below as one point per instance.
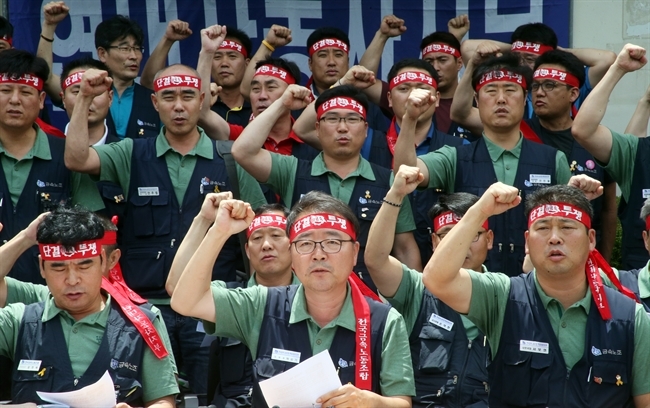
(349, 120)
(547, 86)
(329, 246)
(444, 234)
(125, 49)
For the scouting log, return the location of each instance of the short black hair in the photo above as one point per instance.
(559, 193)
(116, 28)
(457, 203)
(319, 202)
(412, 63)
(442, 37)
(69, 226)
(6, 28)
(16, 63)
(327, 32)
(535, 32)
(289, 66)
(242, 38)
(83, 62)
(345, 90)
(271, 208)
(509, 61)
(566, 60)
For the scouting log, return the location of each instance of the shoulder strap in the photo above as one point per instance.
(223, 148)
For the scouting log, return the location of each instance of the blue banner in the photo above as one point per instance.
(494, 19)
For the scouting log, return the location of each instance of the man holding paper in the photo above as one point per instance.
(86, 327)
(330, 309)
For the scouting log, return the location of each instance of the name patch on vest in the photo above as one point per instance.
(29, 365)
(285, 355)
(646, 193)
(540, 178)
(148, 191)
(533, 346)
(441, 322)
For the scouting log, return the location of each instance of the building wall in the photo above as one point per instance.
(610, 24)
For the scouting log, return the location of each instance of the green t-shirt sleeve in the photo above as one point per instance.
(249, 189)
(158, 375)
(622, 160)
(239, 314)
(396, 368)
(85, 192)
(405, 220)
(489, 298)
(283, 175)
(25, 292)
(442, 168)
(115, 161)
(641, 360)
(10, 318)
(562, 169)
(408, 298)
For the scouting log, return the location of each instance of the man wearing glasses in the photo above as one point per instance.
(329, 310)
(339, 170)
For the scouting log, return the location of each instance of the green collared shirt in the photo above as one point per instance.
(644, 282)
(283, 177)
(442, 165)
(621, 161)
(83, 338)
(490, 293)
(240, 312)
(115, 161)
(408, 300)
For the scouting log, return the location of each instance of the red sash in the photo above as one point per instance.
(363, 360)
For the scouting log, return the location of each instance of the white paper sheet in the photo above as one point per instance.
(99, 395)
(300, 386)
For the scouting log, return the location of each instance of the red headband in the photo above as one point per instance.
(72, 79)
(235, 46)
(449, 218)
(533, 48)
(57, 252)
(501, 75)
(340, 102)
(109, 238)
(557, 75)
(7, 39)
(175, 81)
(439, 47)
(266, 220)
(27, 79)
(647, 223)
(277, 72)
(595, 259)
(328, 43)
(321, 221)
(412, 76)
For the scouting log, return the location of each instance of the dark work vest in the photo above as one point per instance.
(235, 370)
(277, 332)
(630, 279)
(450, 370)
(475, 173)
(120, 352)
(533, 379)
(365, 202)
(111, 193)
(421, 201)
(47, 186)
(633, 252)
(580, 162)
(144, 120)
(155, 223)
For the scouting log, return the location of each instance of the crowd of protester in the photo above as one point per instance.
(445, 237)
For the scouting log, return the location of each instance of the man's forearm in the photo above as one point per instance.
(261, 54)
(462, 110)
(214, 125)
(156, 62)
(186, 250)
(252, 138)
(371, 57)
(44, 50)
(77, 146)
(305, 129)
(405, 145)
(638, 125)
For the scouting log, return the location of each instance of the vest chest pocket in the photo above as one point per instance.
(435, 349)
(151, 214)
(49, 198)
(609, 380)
(146, 269)
(266, 368)
(525, 376)
(367, 212)
(32, 381)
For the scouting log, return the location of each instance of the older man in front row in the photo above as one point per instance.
(559, 337)
(327, 311)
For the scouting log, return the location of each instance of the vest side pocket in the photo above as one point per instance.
(527, 376)
(146, 269)
(435, 350)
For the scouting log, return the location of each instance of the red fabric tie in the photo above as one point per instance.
(363, 360)
(116, 278)
(138, 318)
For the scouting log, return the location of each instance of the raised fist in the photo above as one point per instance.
(177, 30)
(54, 12)
(278, 36)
